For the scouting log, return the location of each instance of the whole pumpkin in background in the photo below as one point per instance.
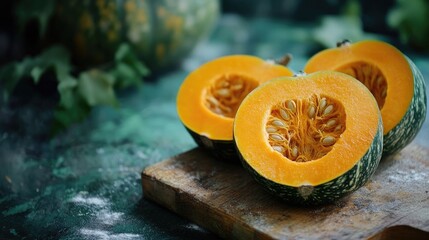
(161, 32)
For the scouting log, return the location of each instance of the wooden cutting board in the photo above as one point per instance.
(224, 199)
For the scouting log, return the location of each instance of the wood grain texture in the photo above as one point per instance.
(223, 198)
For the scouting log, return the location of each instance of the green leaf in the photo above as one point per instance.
(126, 76)
(55, 57)
(348, 25)
(41, 11)
(37, 72)
(410, 18)
(77, 94)
(96, 87)
(9, 78)
(352, 9)
(67, 89)
(11, 74)
(139, 67)
(124, 54)
(64, 117)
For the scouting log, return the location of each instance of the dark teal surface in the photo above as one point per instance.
(85, 182)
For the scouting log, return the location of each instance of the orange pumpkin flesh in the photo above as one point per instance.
(353, 108)
(381, 67)
(210, 96)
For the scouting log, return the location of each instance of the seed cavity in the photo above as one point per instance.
(371, 76)
(304, 130)
(227, 92)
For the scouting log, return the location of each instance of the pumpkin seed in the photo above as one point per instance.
(213, 100)
(271, 129)
(380, 80)
(331, 122)
(237, 87)
(322, 103)
(384, 93)
(227, 109)
(284, 114)
(311, 111)
(224, 92)
(337, 128)
(276, 137)
(367, 70)
(278, 123)
(291, 105)
(294, 152)
(328, 110)
(279, 149)
(328, 141)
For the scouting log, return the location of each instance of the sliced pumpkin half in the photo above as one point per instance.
(393, 79)
(209, 97)
(310, 139)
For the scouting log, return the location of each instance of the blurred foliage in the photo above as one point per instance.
(52, 45)
(391, 20)
(40, 11)
(78, 93)
(56, 58)
(298, 10)
(411, 19)
(347, 25)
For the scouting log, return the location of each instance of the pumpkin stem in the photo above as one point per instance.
(344, 43)
(300, 74)
(285, 60)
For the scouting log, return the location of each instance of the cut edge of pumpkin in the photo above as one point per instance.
(350, 147)
(193, 100)
(390, 62)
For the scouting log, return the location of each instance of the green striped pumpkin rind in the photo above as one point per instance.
(161, 32)
(221, 149)
(403, 133)
(330, 191)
